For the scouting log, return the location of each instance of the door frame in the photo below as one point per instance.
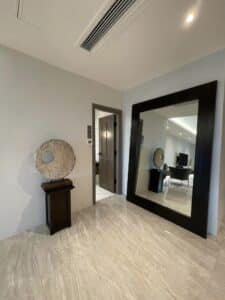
(118, 114)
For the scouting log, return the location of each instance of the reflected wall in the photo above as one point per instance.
(170, 132)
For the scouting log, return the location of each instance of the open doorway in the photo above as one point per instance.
(107, 152)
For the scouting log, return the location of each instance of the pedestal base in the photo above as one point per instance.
(156, 181)
(58, 204)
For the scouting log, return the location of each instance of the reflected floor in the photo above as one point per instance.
(176, 196)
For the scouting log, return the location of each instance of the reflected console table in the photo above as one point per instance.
(156, 177)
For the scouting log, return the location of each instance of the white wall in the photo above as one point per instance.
(176, 145)
(40, 102)
(199, 72)
(152, 139)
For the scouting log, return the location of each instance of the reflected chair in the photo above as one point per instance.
(181, 174)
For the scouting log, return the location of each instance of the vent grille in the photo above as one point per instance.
(114, 13)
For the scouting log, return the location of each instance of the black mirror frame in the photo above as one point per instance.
(206, 96)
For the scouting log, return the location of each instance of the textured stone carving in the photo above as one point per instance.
(55, 159)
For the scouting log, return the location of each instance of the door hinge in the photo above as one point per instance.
(115, 124)
(115, 181)
(115, 152)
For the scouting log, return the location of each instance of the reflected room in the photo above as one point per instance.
(166, 167)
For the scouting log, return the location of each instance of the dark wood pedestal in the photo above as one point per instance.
(156, 180)
(58, 204)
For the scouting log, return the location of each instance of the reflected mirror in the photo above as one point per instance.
(167, 156)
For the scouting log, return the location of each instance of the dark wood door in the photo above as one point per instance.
(107, 153)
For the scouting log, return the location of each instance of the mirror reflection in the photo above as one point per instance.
(167, 156)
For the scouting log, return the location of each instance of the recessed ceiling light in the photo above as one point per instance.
(190, 18)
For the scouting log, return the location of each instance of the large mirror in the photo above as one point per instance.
(170, 156)
(167, 156)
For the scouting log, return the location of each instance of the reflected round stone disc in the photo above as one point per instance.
(158, 158)
(55, 159)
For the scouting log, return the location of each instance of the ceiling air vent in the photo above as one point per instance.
(113, 14)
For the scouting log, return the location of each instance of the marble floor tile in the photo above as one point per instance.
(114, 250)
(102, 193)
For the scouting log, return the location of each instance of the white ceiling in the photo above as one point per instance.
(101, 114)
(149, 41)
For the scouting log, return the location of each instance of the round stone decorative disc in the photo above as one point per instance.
(55, 159)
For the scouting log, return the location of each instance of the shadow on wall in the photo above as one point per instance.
(30, 181)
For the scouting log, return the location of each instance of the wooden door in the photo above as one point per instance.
(107, 153)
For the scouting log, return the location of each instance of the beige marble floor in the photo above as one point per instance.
(114, 250)
(102, 193)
